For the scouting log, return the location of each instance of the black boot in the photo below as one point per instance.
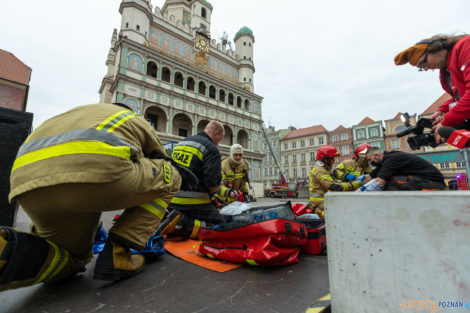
(116, 262)
(179, 226)
(26, 259)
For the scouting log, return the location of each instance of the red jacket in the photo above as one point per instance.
(458, 65)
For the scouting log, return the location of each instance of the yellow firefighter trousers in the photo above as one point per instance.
(68, 214)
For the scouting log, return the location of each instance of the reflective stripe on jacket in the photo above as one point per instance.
(351, 166)
(89, 144)
(202, 157)
(233, 177)
(321, 182)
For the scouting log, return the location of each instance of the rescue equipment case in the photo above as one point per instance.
(316, 235)
(258, 237)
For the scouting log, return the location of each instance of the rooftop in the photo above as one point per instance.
(433, 107)
(317, 129)
(11, 68)
(366, 120)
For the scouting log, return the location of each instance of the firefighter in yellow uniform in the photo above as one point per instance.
(73, 167)
(321, 181)
(234, 175)
(352, 169)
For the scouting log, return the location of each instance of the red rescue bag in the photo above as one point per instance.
(257, 237)
(316, 236)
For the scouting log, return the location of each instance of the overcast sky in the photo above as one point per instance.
(317, 62)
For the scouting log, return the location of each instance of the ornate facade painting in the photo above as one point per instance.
(131, 103)
(256, 143)
(135, 63)
(186, 18)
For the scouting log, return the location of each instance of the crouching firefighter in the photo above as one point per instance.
(73, 167)
(191, 209)
(234, 176)
(321, 181)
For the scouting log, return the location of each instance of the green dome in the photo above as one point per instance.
(244, 31)
(208, 3)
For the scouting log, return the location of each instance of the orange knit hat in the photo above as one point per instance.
(412, 54)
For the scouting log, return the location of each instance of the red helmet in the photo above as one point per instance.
(362, 149)
(325, 153)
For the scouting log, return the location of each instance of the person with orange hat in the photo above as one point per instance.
(353, 169)
(321, 180)
(450, 55)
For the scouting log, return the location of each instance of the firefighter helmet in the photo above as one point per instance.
(362, 149)
(326, 153)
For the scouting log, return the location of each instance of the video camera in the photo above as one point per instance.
(421, 138)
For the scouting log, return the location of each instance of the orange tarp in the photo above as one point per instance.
(188, 250)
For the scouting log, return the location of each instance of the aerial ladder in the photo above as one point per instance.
(284, 178)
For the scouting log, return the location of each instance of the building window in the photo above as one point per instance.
(294, 158)
(320, 140)
(375, 144)
(302, 157)
(166, 74)
(287, 159)
(361, 134)
(202, 88)
(222, 95)
(344, 150)
(127, 25)
(270, 158)
(179, 79)
(374, 132)
(445, 165)
(286, 146)
(249, 44)
(312, 142)
(295, 173)
(460, 164)
(344, 137)
(137, 27)
(244, 43)
(304, 172)
(152, 69)
(312, 156)
(190, 83)
(294, 144)
(153, 120)
(212, 91)
(244, 79)
(182, 132)
(302, 143)
(335, 138)
(270, 171)
(395, 144)
(203, 13)
(244, 57)
(265, 172)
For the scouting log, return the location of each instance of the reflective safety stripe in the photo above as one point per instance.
(317, 199)
(193, 144)
(115, 120)
(88, 134)
(315, 195)
(192, 194)
(192, 150)
(157, 207)
(178, 200)
(251, 262)
(59, 259)
(76, 147)
(210, 256)
(196, 227)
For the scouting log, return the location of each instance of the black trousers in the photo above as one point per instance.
(413, 182)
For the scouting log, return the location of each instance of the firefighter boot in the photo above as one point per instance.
(26, 259)
(116, 262)
(178, 226)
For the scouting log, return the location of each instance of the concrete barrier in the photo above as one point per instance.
(388, 249)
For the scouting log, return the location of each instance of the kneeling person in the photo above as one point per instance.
(396, 170)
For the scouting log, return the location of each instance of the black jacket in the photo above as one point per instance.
(202, 157)
(397, 163)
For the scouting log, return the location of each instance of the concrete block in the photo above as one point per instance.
(388, 248)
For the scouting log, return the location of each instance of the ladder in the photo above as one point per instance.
(273, 152)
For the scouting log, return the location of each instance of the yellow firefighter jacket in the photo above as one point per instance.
(89, 144)
(352, 166)
(321, 182)
(233, 177)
